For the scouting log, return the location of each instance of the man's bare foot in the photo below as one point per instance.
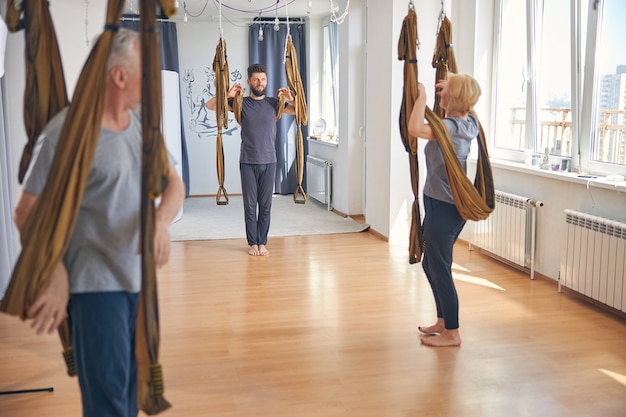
(436, 328)
(446, 338)
(263, 250)
(254, 251)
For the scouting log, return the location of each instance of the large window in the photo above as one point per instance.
(330, 80)
(512, 82)
(608, 135)
(561, 81)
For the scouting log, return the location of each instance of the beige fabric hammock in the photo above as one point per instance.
(477, 201)
(44, 96)
(473, 201)
(155, 167)
(443, 59)
(294, 82)
(222, 85)
(407, 53)
(45, 93)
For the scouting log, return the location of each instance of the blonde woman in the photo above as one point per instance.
(442, 222)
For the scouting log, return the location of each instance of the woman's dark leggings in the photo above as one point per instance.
(442, 226)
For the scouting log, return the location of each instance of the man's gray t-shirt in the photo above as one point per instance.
(102, 253)
(258, 131)
(462, 132)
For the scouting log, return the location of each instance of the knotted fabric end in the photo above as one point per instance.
(68, 355)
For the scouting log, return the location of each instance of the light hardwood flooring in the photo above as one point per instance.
(326, 326)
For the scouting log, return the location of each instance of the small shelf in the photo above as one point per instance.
(323, 140)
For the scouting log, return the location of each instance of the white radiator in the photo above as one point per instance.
(319, 180)
(593, 258)
(509, 232)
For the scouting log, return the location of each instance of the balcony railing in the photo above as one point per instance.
(555, 133)
(610, 143)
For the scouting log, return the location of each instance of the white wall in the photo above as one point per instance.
(347, 157)
(388, 190)
(197, 41)
(349, 164)
(378, 114)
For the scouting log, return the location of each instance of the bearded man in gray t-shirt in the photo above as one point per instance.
(257, 158)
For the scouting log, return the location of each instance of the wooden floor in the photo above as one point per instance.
(327, 326)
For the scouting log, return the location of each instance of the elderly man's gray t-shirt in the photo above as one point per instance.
(462, 132)
(102, 253)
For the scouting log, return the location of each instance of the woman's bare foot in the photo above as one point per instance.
(436, 328)
(446, 338)
(254, 251)
(263, 250)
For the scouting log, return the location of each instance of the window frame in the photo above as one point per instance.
(590, 89)
(329, 79)
(584, 84)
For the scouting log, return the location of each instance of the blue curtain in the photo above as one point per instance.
(169, 62)
(271, 52)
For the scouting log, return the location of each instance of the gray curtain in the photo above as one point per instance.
(270, 52)
(169, 62)
(8, 232)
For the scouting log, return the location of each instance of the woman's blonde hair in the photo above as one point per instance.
(463, 92)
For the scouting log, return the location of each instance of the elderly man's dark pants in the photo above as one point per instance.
(103, 338)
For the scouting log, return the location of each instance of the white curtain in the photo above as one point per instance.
(333, 34)
(8, 235)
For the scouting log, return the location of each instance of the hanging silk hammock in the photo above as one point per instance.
(49, 227)
(294, 82)
(222, 84)
(407, 53)
(474, 201)
(45, 93)
(155, 167)
(443, 58)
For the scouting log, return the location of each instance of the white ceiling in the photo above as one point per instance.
(249, 9)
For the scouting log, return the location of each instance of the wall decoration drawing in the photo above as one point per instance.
(202, 122)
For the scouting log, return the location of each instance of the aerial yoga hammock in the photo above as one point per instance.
(48, 229)
(45, 93)
(473, 201)
(407, 52)
(222, 85)
(294, 82)
(44, 96)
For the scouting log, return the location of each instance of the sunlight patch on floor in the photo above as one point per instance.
(618, 377)
(476, 280)
(457, 267)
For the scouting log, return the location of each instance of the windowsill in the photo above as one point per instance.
(324, 140)
(595, 181)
